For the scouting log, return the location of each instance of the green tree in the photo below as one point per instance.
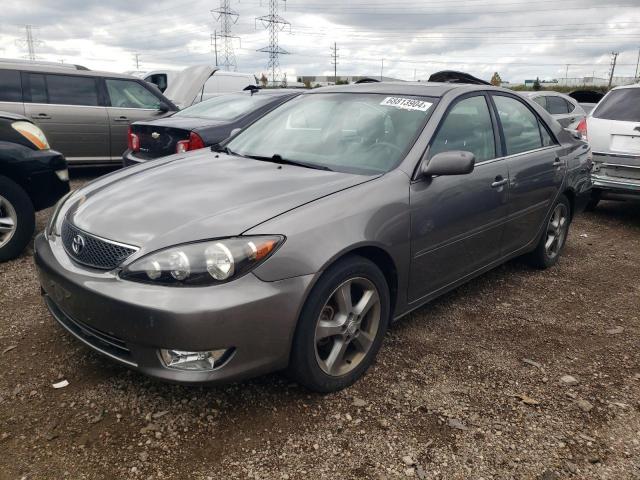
(496, 81)
(536, 85)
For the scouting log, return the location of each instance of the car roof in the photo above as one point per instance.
(40, 68)
(428, 89)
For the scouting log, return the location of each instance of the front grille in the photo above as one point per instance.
(94, 251)
(101, 341)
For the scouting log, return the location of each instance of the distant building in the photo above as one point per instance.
(583, 81)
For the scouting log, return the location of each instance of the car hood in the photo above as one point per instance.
(197, 197)
(182, 90)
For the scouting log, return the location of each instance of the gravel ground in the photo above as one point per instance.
(519, 374)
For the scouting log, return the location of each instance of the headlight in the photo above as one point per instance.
(203, 263)
(51, 227)
(32, 133)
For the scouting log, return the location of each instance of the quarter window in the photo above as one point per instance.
(467, 127)
(10, 86)
(72, 90)
(130, 94)
(557, 105)
(519, 125)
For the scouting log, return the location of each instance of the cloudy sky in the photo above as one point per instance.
(520, 39)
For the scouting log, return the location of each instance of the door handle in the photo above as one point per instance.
(500, 181)
(557, 162)
(121, 119)
(41, 116)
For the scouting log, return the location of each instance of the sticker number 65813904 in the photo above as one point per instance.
(406, 103)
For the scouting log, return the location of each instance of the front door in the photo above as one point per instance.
(129, 102)
(536, 170)
(457, 222)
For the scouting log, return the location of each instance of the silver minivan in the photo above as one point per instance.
(85, 114)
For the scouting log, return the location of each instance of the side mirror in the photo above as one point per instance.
(455, 162)
(163, 107)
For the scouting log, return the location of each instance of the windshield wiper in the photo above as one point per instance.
(277, 158)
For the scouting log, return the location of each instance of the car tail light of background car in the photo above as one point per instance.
(194, 143)
(582, 128)
(133, 141)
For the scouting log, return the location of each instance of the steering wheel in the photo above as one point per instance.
(387, 145)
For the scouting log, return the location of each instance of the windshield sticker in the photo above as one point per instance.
(406, 103)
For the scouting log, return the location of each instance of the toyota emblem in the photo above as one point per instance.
(77, 244)
(155, 135)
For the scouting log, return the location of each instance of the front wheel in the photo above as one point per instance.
(17, 219)
(554, 235)
(341, 326)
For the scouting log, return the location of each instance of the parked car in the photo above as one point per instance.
(32, 177)
(339, 211)
(613, 131)
(85, 114)
(160, 78)
(587, 99)
(201, 82)
(202, 125)
(562, 107)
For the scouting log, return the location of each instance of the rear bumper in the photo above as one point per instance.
(616, 185)
(129, 322)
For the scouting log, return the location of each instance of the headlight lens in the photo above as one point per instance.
(32, 133)
(203, 263)
(51, 227)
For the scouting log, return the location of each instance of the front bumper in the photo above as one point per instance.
(128, 322)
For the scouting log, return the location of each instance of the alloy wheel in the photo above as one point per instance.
(8, 221)
(347, 326)
(556, 230)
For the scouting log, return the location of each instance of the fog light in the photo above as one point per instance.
(63, 175)
(184, 360)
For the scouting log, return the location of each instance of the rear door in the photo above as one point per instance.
(457, 222)
(11, 92)
(69, 111)
(128, 101)
(536, 169)
(614, 135)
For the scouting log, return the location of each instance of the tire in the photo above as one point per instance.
(555, 233)
(325, 329)
(17, 216)
(596, 195)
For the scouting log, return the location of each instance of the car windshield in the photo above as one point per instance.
(349, 132)
(623, 104)
(226, 107)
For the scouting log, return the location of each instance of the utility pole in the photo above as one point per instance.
(30, 42)
(227, 17)
(614, 58)
(275, 24)
(566, 74)
(334, 62)
(214, 44)
(136, 57)
(638, 65)
(381, 69)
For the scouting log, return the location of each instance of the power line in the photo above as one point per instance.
(227, 17)
(275, 24)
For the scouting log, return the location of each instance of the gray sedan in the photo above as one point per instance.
(297, 244)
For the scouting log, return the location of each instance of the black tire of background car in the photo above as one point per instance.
(539, 258)
(596, 195)
(25, 224)
(303, 366)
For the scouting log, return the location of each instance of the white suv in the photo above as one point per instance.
(613, 131)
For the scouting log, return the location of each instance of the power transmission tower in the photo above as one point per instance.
(30, 42)
(275, 24)
(614, 58)
(227, 17)
(334, 61)
(136, 58)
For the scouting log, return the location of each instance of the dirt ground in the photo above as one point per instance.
(471, 386)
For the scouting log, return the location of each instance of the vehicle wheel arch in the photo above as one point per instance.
(571, 196)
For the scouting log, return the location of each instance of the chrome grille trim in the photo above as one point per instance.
(98, 252)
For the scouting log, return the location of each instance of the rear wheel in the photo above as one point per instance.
(596, 195)
(341, 327)
(554, 236)
(17, 219)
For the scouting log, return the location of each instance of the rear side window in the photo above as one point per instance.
(467, 127)
(519, 124)
(130, 94)
(37, 88)
(72, 90)
(10, 86)
(542, 101)
(557, 105)
(623, 104)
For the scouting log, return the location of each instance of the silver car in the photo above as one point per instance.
(296, 244)
(566, 110)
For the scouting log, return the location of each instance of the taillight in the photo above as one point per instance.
(194, 143)
(582, 128)
(133, 141)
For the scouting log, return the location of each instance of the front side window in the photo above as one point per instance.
(10, 86)
(557, 105)
(72, 90)
(622, 105)
(351, 132)
(467, 127)
(130, 94)
(226, 107)
(519, 125)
